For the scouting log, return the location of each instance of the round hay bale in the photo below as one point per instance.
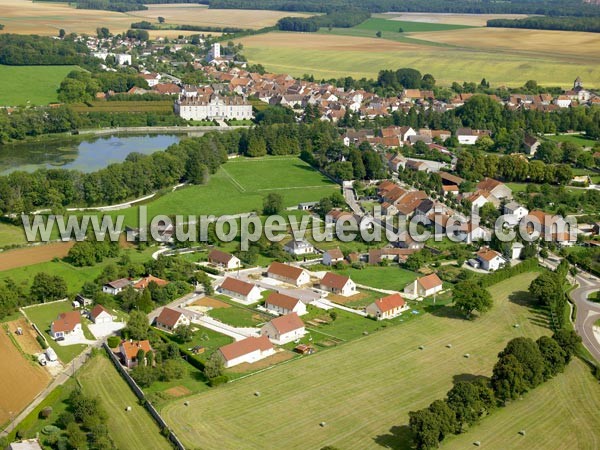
(365, 333)
(421, 347)
(322, 424)
(448, 345)
(516, 325)
(128, 409)
(257, 394)
(477, 444)
(186, 403)
(522, 432)
(467, 355)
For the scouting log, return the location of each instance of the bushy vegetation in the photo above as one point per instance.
(590, 24)
(346, 18)
(33, 50)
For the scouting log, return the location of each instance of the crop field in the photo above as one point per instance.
(34, 85)
(363, 391)
(503, 57)
(200, 15)
(133, 429)
(383, 25)
(474, 20)
(240, 186)
(12, 259)
(20, 379)
(161, 106)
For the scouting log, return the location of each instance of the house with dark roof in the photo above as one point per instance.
(330, 257)
(284, 329)
(284, 304)
(240, 290)
(338, 284)
(170, 319)
(247, 350)
(114, 287)
(387, 307)
(298, 247)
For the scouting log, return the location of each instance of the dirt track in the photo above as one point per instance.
(12, 259)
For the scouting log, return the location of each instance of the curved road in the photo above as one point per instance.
(587, 312)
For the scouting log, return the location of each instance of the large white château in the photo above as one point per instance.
(216, 107)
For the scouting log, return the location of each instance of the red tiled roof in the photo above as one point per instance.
(335, 253)
(168, 317)
(219, 257)
(144, 282)
(66, 321)
(487, 254)
(287, 323)
(131, 349)
(282, 300)
(238, 286)
(430, 281)
(488, 184)
(95, 312)
(285, 270)
(245, 346)
(333, 280)
(390, 302)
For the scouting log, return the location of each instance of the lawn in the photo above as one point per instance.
(239, 317)
(575, 139)
(11, 235)
(35, 85)
(240, 186)
(366, 388)
(391, 277)
(133, 429)
(43, 316)
(554, 58)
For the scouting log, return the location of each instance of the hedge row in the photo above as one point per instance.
(503, 274)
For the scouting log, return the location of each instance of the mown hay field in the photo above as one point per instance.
(31, 85)
(364, 390)
(474, 20)
(334, 56)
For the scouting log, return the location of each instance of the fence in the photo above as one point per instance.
(140, 395)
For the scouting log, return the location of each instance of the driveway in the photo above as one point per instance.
(75, 338)
(102, 330)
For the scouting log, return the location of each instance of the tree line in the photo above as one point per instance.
(589, 24)
(33, 50)
(346, 18)
(557, 7)
(145, 25)
(523, 365)
(79, 86)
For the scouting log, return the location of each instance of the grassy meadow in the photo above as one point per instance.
(30, 85)
(363, 391)
(391, 277)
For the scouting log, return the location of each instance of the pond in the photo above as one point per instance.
(85, 154)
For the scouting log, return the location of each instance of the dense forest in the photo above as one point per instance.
(22, 50)
(548, 7)
(590, 24)
(333, 19)
(125, 5)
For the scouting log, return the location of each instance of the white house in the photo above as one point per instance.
(490, 260)
(284, 329)
(288, 274)
(114, 287)
(424, 286)
(467, 136)
(387, 307)
(100, 315)
(515, 209)
(516, 250)
(497, 188)
(299, 247)
(330, 257)
(224, 260)
(170, 320)
(247, 350)
(66, 324)
(338, 284)
(213, 107)
(240, 290)
(284, 304)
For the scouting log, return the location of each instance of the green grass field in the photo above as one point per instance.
(391, 277)
(133, 429)
(43, 316)
(575, 139)
(240, 186)
(35, 85)
(11, 235)
(386, 25)
(239, 317)
(363, 391)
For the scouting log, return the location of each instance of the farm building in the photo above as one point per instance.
(114, 287)
(247, 350)
(66, 324)
(224, 260)
(144, 282)
(497, 188)
(299, 247)
(129, 352)
(284, 329)
(284, 304)
(169, 320)
(330, 257)
(387, 307)
(240, 290)
(338, 284)
(100, 315)
(288, 274)
(424, 286)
